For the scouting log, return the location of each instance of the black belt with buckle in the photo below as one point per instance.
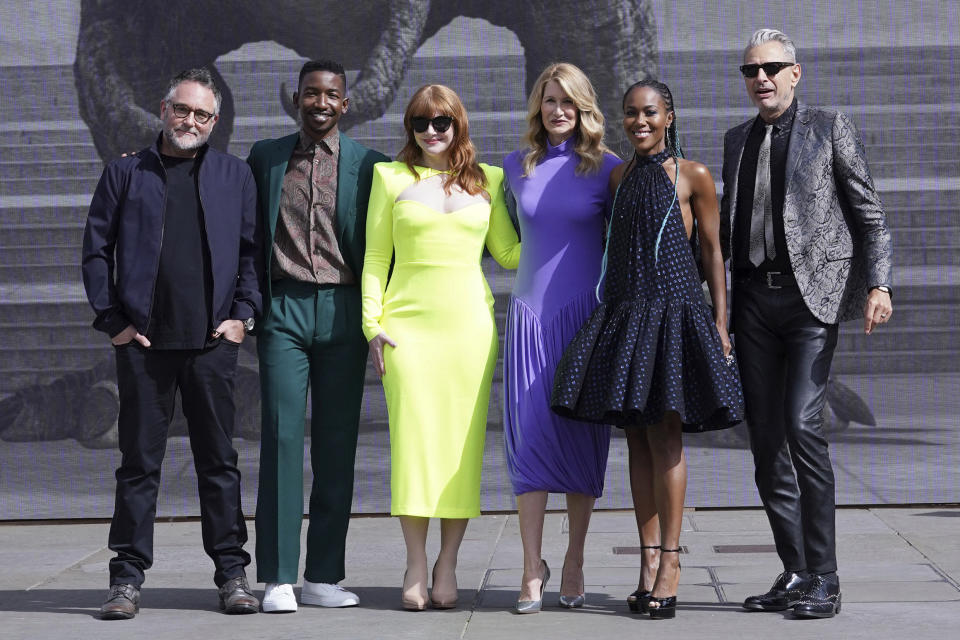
(769, 279)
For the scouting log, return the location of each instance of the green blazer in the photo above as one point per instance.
(268, 159)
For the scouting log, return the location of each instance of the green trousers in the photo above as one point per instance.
(312, 336)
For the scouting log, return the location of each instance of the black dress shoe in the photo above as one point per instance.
(122, 603)
(236, 597)
(785, 593)
(822, 599)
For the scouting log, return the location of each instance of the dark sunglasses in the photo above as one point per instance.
(769, 68)
(440, 123)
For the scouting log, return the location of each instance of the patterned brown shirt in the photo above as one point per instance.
(305, 246)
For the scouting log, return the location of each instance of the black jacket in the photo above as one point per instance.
(124, 232)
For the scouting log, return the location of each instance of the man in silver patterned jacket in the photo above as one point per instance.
(809, 248)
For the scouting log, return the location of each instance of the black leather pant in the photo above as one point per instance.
(784, 354)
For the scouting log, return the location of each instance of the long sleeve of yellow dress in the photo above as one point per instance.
(379, 252)
(502, 241)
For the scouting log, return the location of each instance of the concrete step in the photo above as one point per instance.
(23, 236)
(890, 362)
(52, 313)
(40, 273)
(508, 97)
(896, 200)
(899, 337)
(50, 169)
(930, 255)
(35, 334)
(923, 316)
(74, 152)
(927, 236)
(66, 215)
(847, 61)
(56, 254)
(73, 132)
(914, 218)
(59, 354)
(63, 185)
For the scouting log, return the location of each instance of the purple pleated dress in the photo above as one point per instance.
(562, 223)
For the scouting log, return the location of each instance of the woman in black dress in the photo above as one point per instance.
(654, 358)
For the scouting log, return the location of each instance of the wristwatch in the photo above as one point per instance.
(884, 288)
(248, 324)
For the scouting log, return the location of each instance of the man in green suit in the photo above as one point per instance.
(313, 188)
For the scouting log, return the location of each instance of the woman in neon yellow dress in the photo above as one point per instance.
(431, 328)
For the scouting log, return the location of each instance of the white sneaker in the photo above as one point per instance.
(327, 595)
(278, 598)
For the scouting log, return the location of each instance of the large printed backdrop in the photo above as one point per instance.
(893, 408)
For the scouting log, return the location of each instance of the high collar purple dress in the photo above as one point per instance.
(562, 223)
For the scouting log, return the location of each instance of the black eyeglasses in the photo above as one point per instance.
(182, 111)
(440, 123)
(769, 68)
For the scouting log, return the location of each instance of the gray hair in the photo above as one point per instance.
(761, 36)
(199, 75)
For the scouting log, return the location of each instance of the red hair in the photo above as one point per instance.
(431, 100)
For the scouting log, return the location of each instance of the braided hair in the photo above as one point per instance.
(672, 137)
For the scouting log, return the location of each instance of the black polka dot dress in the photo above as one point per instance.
(651, 346)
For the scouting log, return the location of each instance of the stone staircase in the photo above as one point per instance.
(909, 122)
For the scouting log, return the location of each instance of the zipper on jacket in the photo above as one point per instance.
(163, 225)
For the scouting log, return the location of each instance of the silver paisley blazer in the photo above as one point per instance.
(834, 224)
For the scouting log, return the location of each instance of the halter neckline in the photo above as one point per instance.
(657, 158)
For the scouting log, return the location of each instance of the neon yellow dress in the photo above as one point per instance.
(438, 308)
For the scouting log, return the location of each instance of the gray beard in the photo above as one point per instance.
(176, 143)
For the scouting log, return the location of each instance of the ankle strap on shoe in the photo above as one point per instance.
(677, 550)
(649, 546)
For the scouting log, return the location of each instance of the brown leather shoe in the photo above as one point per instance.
(122, 603)
(236, 597)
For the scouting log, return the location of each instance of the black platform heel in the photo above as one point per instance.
(639, 599)
(666, 607)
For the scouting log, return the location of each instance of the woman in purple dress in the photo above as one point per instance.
(560, 185)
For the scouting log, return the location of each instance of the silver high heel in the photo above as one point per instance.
(534, 606)
(571, 602)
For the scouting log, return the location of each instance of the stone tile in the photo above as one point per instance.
(895, 591)
(739, 521)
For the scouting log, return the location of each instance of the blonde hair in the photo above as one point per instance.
(589, 130)
(428, 101)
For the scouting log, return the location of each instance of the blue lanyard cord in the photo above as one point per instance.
(663, 225)
(606, 246)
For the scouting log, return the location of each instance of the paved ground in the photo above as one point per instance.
(899, 570)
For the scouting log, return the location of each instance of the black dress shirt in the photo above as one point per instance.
(746, 179)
